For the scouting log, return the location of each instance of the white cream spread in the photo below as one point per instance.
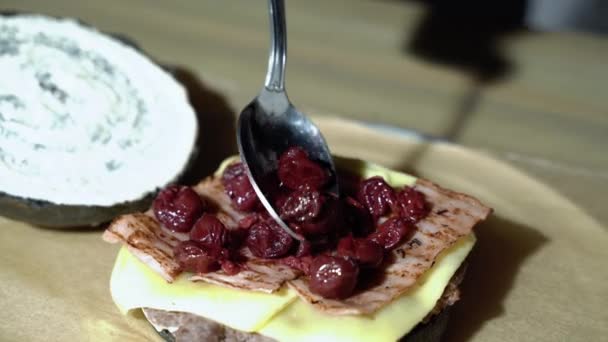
(84, 118)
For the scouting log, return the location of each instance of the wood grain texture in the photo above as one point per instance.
(548, 115)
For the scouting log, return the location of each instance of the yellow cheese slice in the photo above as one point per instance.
(366, 170)
(300, 322)
(134, 285)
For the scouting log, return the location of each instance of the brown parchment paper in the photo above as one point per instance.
(538, 272)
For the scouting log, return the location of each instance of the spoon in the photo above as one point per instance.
(270, 124)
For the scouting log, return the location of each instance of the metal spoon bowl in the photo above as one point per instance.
(270, 124)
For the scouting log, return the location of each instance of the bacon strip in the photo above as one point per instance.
(264, 276)
(147, 241)
(151, 243)
(453, 216)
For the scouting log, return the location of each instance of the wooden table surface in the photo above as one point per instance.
(547, 114)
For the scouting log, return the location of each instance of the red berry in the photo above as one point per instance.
(376, 195)
(328, 221)
(229, 267)
(366, 252)
(295, 170)
(238, 188)
(266, 239)
(178, 207)
(301, 205)
(346, 247)
(411, 205)
(192, 258)
(333, 277)
(210, 233)
(391, 232)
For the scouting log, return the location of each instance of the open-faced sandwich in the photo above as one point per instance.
(207, 263)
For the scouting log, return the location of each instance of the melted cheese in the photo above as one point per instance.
(281, 315)
(134, 285)
(366, 170)
(300, 322)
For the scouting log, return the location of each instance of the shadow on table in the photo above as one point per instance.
(467, 37)
(216, 120)
(501, 249)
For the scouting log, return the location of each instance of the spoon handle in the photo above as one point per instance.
(275, 76)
